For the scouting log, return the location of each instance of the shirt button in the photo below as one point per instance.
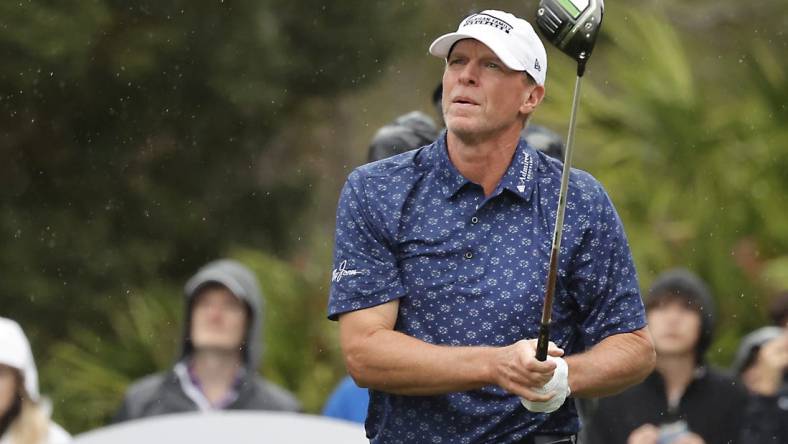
(474, 220)
(468, 255)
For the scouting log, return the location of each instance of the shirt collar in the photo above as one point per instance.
(450, 178)
(519, 178)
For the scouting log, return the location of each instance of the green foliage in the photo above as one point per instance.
(134, 138)
(93, 370)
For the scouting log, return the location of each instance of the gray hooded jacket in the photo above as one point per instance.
(164, 393)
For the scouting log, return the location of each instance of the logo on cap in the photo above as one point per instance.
(537, 66)
(486, 19)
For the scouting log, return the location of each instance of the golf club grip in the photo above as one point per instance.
(543, 342)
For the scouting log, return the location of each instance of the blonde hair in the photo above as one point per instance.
(31, 425)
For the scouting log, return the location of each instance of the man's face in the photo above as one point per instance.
(218, 320)
(675, 327)
(481, 96)
(8, 389)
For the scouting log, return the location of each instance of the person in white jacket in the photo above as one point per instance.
(24, 417)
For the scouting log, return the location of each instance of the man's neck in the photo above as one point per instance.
(216, 371)
(483, 161)
(677, 371)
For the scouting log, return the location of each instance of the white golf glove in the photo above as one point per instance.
(558, 384)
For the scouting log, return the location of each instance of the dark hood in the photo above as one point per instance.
(750, 345)
(243, 284)
(682, 283)
(544, 140)
(407, 132)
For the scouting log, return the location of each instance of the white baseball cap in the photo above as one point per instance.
(512, 39)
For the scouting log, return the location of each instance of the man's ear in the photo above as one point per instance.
(532, 98)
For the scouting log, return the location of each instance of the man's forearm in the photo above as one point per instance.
(614, 364)
(381, 358)
(404, 365)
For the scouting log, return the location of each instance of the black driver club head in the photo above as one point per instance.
(571, 26)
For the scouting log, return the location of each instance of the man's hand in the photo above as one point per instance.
(517, 370)
(688, 438)
(558, 386)
(645, 434)
(771, 363)
(649, 434)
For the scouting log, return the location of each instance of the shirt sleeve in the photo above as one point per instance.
(604, 277)
(365, 272)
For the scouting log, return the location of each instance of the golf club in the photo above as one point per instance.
(572, 27)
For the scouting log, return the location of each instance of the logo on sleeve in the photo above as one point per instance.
(342, 271)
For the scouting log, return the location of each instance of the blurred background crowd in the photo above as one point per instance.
(140, 141)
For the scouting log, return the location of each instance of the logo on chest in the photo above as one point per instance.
(526, 173)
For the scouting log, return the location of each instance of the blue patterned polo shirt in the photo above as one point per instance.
(470, 270)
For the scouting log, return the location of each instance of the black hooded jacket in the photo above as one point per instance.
(164, 393)
(766, 417)
(712, 403)
(711, 407)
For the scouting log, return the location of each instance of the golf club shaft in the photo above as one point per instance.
(552, 274)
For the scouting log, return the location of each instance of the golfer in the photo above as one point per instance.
(441, 259)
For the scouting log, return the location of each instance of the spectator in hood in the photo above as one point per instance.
(408, 132)
(683, 401)
(544, 140)
(24, 416)
(216, 369)
(762, 364)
